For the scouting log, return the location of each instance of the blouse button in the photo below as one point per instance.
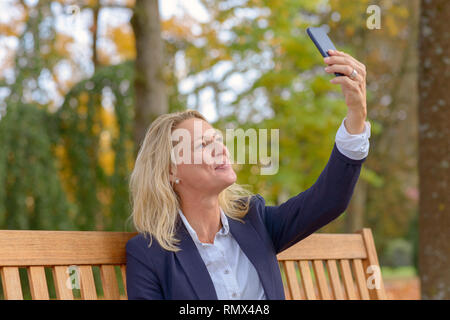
(227, 271)
(234, 295)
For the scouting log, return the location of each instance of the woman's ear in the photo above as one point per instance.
(172, 176)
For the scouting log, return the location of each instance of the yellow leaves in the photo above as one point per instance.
(391, 25)
(60, 151)
(8, 30)
(108, 133)
(123, 38)
(178, 28)
(82, 108)
(84, 98)
(62, 44)
(106, 154)
(108, 122)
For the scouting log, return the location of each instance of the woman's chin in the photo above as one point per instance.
(228, 177)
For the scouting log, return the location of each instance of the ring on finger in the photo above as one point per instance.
(353, 74)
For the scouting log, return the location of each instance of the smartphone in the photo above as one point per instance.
(322, 42)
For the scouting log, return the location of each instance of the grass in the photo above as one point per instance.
(398, 272)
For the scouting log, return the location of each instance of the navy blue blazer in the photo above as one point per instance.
(155, 273)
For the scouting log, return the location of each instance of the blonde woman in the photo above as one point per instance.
(202, 236)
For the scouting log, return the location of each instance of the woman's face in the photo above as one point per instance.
(203, 164)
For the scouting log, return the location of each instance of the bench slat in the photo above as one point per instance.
(321, 280)
(348, 279)
(50, 248)
(326, 246)
(11, 283)
(123, 269)
(109, 281)
(291, 275)
(38, 283)
(62, 280)
(307, 282)
(372, 260)
(334, 279)
(87, 283)
(360, 279)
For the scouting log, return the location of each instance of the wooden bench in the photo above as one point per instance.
(65, 259)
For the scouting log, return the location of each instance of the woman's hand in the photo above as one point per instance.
(353, 87)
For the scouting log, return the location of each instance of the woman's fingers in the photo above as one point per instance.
(344, 69)
(333, 60)
(346, 83)
(338, 57)
(343, 54)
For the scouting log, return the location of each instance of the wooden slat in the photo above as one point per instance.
(109, 281)
(321, 280)
(348, 279)
(308, 286)
(372, 260)
(322, 246)
(360, 279)
(291, 276)
(38, 283)
(62, 281)
(87, 283)
(123, 269)
(287, 294)
(334, 280)
(12, 289)
(50, 248)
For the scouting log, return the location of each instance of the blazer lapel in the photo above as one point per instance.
(193, 265)
(252, 245)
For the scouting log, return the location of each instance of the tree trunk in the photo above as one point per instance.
(150, 92)
(434, 149)
(354, 219)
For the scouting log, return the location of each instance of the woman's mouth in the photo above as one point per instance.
(223, 166)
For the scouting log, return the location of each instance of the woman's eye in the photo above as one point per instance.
(200, 146)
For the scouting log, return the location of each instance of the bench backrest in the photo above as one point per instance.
(333, 266)
(72, 257)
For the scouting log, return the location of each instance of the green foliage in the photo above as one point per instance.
(53, 170)
(31, 196)
(399, 253)
(303, 105)
(81, 126)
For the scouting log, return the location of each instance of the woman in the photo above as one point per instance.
(201, 236)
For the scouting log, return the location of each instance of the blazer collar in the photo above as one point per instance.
(193, 265)
(255, 250)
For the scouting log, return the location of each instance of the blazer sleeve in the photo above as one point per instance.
(308, 211)
(142, 282)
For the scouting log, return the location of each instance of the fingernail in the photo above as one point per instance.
(327, 59)
(331, 51)
(327, 68)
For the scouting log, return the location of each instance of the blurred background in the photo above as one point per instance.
(80, 81)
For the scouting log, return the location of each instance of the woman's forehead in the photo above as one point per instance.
(195, 125)
(194, 130)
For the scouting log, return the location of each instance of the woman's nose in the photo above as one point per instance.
(219, 148)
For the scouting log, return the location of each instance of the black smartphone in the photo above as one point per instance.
(322, 42)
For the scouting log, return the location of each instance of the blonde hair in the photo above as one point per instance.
(155, 203)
